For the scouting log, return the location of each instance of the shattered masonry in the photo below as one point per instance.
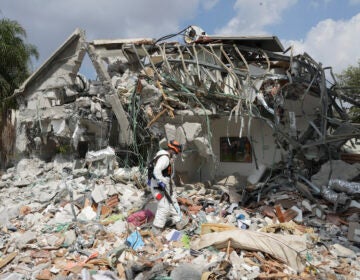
(204, 94)
(225, 86)
(241, 106)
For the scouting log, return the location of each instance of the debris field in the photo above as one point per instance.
(269, 175)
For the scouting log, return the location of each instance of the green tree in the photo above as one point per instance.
(15, 60)
(351, 76)
(349, 82)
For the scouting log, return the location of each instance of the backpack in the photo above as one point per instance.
(151, 166)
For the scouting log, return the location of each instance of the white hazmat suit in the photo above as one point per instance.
(165, 209)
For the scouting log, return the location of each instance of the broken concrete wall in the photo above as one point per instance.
(196, 162)
(58, 108)
(264, 150)
(201, 161)
(57, 73)
(118, 70)
(199, 94)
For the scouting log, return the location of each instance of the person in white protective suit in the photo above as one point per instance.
(163, 190)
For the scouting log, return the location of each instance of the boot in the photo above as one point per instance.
(184, 221)
(170, 223)
(156, 230)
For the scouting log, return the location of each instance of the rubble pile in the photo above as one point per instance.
(72, 220)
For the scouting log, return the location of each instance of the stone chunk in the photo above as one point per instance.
(192, 130)
(6, 176)
(149, 93)
(32, 219)
(341, 251)
(64, 215)
(354, 232)
(70, 237)
(12, 276)
(80, 172)
(306, 204)
(203, 146)
(118, 227)
(354, 204)
(299, 216)
(8, 213)
(22, 183)
(185, 113)
(180, 135)
(339, 170)
(83, 102)
(201, 111)
(25, 238)
(87, 214)
(186, 271)
(98, 194)
(170, 131)
(257, 174)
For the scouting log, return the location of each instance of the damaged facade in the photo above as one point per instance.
(253, 118)
(238, 104)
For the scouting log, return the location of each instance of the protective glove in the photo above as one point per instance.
(162, 185)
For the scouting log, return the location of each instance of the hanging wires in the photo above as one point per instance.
(166, 37)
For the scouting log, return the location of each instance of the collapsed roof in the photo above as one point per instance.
(143, 81)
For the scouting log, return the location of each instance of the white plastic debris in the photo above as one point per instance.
(87, 214)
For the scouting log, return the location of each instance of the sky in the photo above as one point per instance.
(328, 30)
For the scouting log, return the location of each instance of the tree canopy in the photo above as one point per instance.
(350, 77)
(15, 57)
(349, 81)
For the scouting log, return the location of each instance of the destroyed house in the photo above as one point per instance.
(238, 105)
(266, 186)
